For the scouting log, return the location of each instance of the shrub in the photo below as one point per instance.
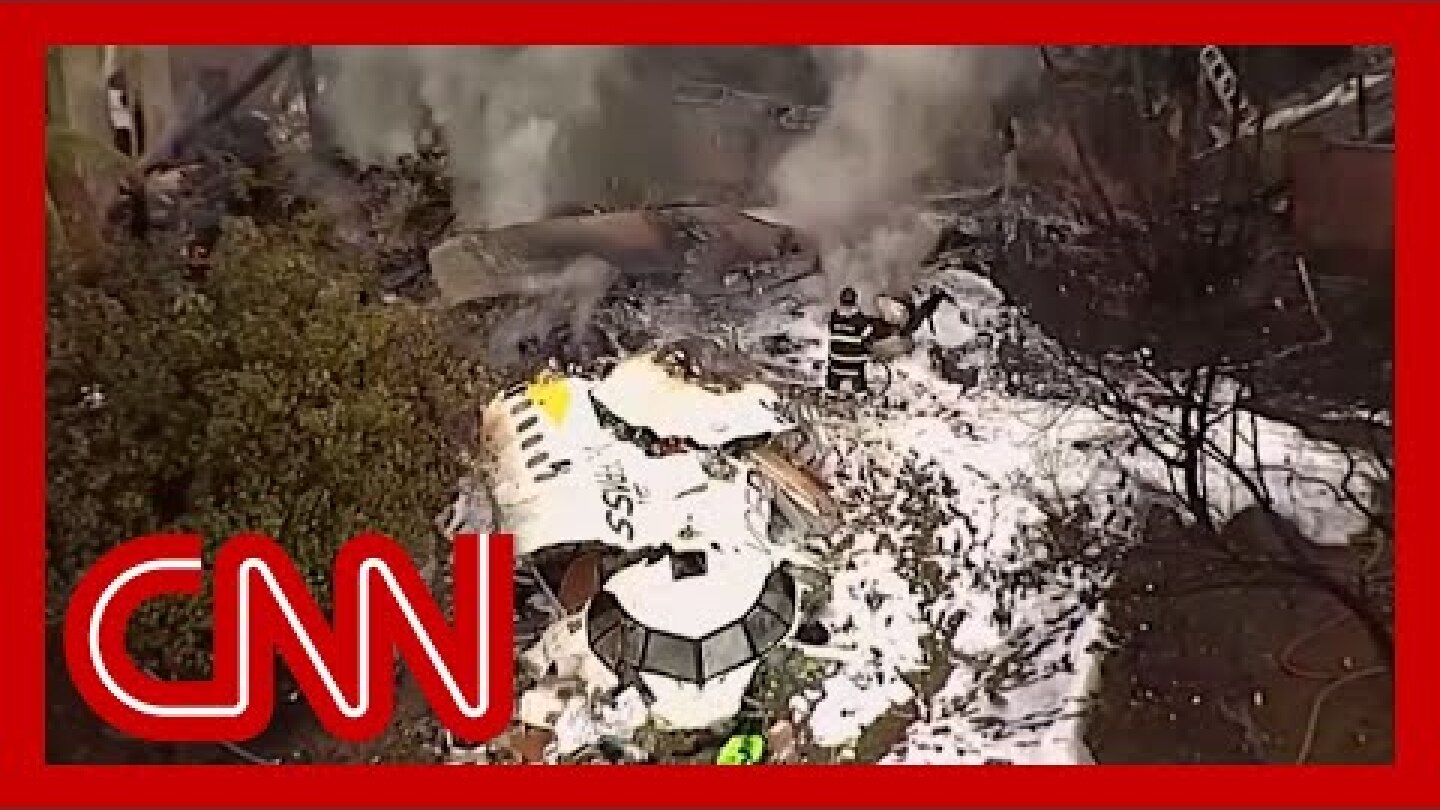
(272, 396)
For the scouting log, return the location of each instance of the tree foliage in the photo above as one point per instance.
(271, 397)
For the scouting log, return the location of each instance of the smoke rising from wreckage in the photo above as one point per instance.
(706, 542)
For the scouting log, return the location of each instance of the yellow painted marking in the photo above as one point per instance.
(552, 396)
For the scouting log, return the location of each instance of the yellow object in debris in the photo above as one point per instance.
(551, 394)
(742, 749)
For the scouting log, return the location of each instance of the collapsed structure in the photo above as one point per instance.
(710, 244)
(663, 512)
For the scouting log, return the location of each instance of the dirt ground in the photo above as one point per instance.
(1198, 676)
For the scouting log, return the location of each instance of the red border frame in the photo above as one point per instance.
(26, 29)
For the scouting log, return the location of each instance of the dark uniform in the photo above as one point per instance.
(850, 336)
(1010, 352)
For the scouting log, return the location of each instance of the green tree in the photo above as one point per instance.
(271, 397)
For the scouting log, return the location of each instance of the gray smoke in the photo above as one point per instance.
(902, 120)
(465, 268)
(531, 128)
(371, 97)
(506, 114)
(520, 128)
(879, 255)
(571, 296)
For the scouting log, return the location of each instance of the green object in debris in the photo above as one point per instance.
(742, 749)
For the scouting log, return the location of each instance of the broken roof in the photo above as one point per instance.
(655, 236)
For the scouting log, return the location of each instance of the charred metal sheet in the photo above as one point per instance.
(702, 240)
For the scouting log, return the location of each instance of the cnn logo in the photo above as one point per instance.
(382, 608)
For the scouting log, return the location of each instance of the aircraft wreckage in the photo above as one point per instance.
(662, 512)
(710, 245)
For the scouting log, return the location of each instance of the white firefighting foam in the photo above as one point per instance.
(957, 623)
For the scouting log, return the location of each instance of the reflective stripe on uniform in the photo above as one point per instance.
(848, 352)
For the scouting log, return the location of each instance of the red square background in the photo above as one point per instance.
(25, 30)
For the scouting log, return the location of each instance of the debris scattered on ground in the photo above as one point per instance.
(948, 635)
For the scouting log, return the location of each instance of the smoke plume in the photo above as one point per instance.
(506, 114)
(530, 129)
(902, 120)
(570, 297)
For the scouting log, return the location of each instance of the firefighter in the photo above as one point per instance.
(850, 335)
(1010, 352)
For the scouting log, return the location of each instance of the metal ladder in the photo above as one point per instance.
(1221, 76)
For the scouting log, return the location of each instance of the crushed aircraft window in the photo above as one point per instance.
(672, 656)
(779, 595)
(632, 643)
(765, 627)
(607, 647)
(603, 622)
(603, 625)
(618, 639)
(725, 650)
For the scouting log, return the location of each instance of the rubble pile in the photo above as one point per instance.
(950, 613)
(804, 696)
(661, 548)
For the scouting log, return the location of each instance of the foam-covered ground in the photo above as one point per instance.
(949, 607)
